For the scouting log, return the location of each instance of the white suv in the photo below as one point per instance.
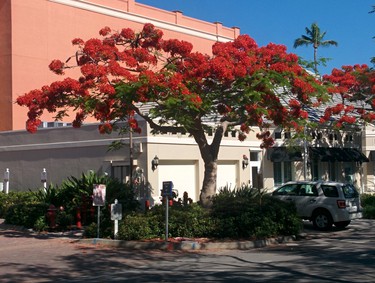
(323, 203)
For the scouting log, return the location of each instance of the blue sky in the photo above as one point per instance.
(282, 21)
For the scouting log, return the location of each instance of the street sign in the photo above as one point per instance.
(116, 211)
(99, 195)
(167, 189)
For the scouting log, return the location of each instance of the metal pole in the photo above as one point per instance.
(166, 217)
(304, 155)
(131, 157)
(98, 228)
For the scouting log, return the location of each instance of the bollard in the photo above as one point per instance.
(51, 216)
(147, 204)
(78, 218)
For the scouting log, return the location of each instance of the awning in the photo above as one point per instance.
(281, 154)
(332, 154)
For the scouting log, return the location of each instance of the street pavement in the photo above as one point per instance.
(346, 255)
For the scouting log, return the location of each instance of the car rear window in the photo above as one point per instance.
(330, 191)
(349, 191)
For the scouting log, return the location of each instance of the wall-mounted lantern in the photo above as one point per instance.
(155, 163)
(245, 161)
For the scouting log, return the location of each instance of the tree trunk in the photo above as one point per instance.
(209, 154)
(315, 60)
(209, 183)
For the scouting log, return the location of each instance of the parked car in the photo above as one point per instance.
(323, 203)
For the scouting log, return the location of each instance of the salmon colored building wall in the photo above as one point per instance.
(34, 32)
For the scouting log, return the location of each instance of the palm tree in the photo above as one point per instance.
(315, 38)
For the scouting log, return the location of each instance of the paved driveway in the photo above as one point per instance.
(338, 256)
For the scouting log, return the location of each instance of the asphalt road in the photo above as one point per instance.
(337, 256)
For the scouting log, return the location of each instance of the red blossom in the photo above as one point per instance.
(105, 128)
(241, 136)
(105, 31)
(175, 46)
(57, 67)
(77, 41)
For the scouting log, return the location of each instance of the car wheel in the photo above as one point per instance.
(342, 224)
(322, 220)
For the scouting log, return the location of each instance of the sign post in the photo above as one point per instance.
(167, 193)
(116, 215)
(99, 200)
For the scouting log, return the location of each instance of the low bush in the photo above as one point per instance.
(241, 213)
(14, 198)
(368, 204)
(248, 213)
(25, 214)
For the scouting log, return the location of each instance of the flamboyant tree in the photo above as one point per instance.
(355, 86)
(240, 86)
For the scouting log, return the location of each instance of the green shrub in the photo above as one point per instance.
(369, 212)
(40, 224)
(13, 198)
(63, 220)
(248, 213)
(188, 221)
(25, 214)
(368, 204)
(91, 231)
(367, 200)
(138, 227)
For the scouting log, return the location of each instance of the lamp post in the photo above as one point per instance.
(6, 180)
(43, 179)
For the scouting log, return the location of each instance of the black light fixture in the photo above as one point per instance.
(245, 161)
(155, 163)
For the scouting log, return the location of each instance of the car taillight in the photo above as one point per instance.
(341, 203)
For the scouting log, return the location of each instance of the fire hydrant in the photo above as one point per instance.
(51, 216)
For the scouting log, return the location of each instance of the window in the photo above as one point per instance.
(254, 156)
(349, 191)
(308, 190)
(290, 190)
(330, 191)
(282, 172)
(120, 173)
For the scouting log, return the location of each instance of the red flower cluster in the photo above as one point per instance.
(353, 83)
(57, 67)
(267, 140)
(239, 80)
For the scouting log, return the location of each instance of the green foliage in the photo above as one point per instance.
(25, 208)
(91, 231)
(367, 200)
(40, 224)
(13, 198)
(138, 227)
(246, 212)
(25, 214)
(63, 220)
(368, 204)
(369, 212)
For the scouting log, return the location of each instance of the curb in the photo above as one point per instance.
(188, 245)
